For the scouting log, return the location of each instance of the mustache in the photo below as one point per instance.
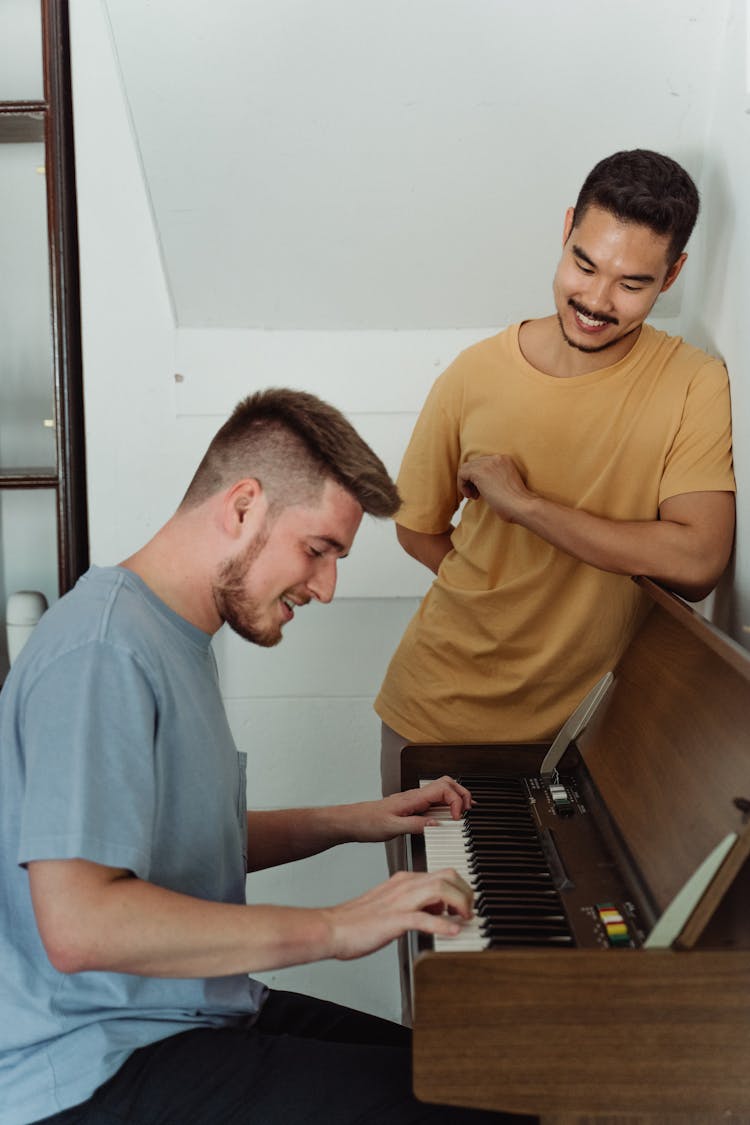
(595, 316)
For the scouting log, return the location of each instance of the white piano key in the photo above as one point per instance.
(445, 846)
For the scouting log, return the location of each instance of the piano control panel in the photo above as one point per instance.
(539, 866)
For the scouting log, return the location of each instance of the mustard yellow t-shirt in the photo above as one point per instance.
(513, 632)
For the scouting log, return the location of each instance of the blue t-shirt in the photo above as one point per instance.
(115, 748)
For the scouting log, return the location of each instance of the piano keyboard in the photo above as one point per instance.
(496, 848)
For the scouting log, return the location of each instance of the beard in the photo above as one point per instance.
(243, 613)
(591, 349)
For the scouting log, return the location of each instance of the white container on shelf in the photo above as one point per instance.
(24, 609)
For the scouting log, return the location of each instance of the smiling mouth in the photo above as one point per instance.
(288, 604)
(587, 320)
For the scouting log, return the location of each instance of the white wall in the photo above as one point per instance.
(718, 280)
(155, 394)
(127, 320)
(372, 164)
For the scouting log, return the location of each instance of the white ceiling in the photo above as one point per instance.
(392, 163)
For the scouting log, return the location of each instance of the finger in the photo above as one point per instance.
(452, 905)
(448, 889)
(412, 825)
(444, 889)
(444, 787)
(449, 792)
(469, 489)
(436, 924)
(465, 482)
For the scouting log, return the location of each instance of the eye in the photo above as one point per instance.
(632, 288)
(583, 267)
(314, 553)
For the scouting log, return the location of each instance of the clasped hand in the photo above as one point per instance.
(495, 478)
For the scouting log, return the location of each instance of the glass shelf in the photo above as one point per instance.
(21, 67)
(42, 455)
(28, 477)
(26, 372)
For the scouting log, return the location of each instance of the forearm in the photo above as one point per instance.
(126, 925)
(430, 550)
(283, 835)
(93, 918)
(678, 554)
(686, 548)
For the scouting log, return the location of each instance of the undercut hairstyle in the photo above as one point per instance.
(640, 186)
(292, 442)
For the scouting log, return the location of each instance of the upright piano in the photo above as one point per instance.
(611, 981)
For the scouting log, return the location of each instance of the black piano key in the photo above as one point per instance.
(502, 913)
(516, 901)
(499, 940)
(518, 894)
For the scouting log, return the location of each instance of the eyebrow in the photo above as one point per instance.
(338, 547)
(644, 278)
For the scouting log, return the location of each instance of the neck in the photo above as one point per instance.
(545, 348)
(171, 566)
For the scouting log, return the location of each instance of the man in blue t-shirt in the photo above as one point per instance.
(125, 938)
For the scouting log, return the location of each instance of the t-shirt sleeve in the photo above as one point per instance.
(700, 459)
(88, 731)
(427, 478)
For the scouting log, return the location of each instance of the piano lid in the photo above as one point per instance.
(668, 749)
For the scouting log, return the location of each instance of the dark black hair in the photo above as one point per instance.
(640, 186)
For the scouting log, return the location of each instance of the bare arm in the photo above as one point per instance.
(427, 549)
(96, 918)
(283, 835)
(687, 548)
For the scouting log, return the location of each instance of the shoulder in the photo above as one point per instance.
(476, 363)
(101, 628)
(491, 348)
(103, 607)
(677, 356)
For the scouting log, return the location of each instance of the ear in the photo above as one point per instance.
(244, 507)
(568, 224)
(673, 273)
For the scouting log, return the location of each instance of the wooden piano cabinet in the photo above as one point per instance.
(578, 1035)
(613, 1035)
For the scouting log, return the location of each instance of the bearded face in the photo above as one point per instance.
(245, 614)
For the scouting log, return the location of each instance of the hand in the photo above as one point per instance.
(407, 901)
(496, 479)
(402, 813)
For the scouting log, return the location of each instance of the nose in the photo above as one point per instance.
(598, 295)
(322, 585)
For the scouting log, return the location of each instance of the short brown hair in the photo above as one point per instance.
(291, 442)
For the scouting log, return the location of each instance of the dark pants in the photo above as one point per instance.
(305, 1060)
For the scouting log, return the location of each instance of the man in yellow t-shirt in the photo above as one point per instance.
(588, 447)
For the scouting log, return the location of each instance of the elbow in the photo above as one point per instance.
(68, 953)
(701, 530)
(690, 593)
(64, 958)
(696, 593)
(77, 922)
(696, 586)
(704, 578)
(404, 537)
(68, 966)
